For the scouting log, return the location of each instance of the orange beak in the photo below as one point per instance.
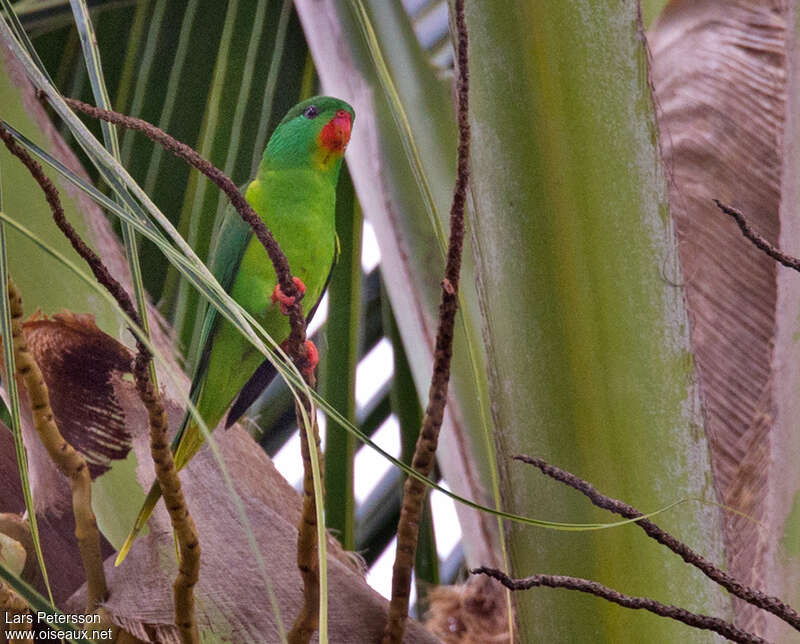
(336, 134)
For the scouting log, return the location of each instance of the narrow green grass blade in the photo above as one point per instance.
(69, 54)
(338, 379)
(248, 72)
(401, 118)
(232, 152)
(309, 80)
(13, 398)
(174, 293)
(426, 564)
(95, 69)
(193, 56)
(22, 36)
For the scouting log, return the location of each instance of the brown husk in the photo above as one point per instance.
(719, 71)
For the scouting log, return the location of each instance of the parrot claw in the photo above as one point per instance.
(287, 301)
(312, 359)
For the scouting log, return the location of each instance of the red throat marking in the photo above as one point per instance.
(336, 134)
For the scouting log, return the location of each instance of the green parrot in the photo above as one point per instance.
(294, 193)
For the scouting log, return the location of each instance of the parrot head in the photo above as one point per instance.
(314, 134)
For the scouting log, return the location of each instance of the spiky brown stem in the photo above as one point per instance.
(182, 522)
(69, 462)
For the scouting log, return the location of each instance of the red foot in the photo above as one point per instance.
(312, 359)
(287, 301)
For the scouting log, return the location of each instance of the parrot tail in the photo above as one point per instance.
(141, 521)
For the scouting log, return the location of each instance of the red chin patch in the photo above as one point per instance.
(336, 134)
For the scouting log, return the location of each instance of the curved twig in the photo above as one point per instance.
(695, 620)
(758, 241)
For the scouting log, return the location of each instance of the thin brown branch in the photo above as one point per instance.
(182, 522)
(167, 476)
(307, 620)
(695, 620)
(758, 241)
(727, 581)
(425, 451)
(69, 462)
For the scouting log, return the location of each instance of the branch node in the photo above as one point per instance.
(695, 620)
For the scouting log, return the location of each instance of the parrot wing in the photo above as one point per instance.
(266, 371)
(226, 252)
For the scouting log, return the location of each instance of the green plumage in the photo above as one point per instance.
(294, 194)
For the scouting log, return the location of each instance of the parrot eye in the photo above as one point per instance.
(311, 112)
